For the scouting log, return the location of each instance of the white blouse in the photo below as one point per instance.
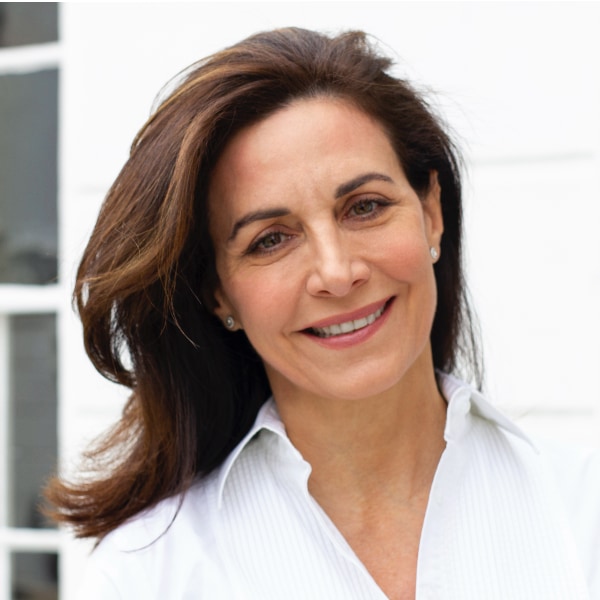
(506, 520)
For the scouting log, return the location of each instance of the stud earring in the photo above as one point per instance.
(434, 253)
(229, 322)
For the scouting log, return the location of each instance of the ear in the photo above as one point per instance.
(432, 211)
(224, 309)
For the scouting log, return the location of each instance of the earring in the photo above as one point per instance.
(434, 253)
(229, 322)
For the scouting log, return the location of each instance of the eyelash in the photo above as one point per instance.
(255, 247)
(376, 203)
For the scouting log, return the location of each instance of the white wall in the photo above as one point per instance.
(520, 84)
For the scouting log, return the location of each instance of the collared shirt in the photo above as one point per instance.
(505, 520)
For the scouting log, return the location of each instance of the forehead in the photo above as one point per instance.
(296, 138)
(308, 147)
(303, 127)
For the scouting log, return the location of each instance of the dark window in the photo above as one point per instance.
(28, 23)
(32, 413)
(28, 177)
(34, 576)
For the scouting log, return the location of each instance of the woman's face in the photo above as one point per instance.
(323, 251)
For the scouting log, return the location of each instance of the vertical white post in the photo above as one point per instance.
(5, 576)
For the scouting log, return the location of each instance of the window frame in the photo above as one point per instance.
(20, 299)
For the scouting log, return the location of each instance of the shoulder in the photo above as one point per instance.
(576, 470)
(547, 494)
(165, 551)
(178, 549)
(575, 473)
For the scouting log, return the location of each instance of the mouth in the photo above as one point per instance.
(348, 326)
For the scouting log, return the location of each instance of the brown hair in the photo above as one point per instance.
(145, 284)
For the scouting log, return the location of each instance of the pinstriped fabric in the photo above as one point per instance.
(495, 526)
(498, 519)
(296, 541)
(504, 535)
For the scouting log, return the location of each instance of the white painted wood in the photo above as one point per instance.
(30, 299)
(4, 392)
(29, 59)
(14, 300)
(533, 267)
(4, 422)
(30, 540)
(5, 592)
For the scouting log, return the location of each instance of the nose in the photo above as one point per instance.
(335, 267)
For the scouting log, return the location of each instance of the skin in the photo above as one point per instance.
(314, 223)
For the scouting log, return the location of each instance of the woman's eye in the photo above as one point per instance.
(268, 242)
(366, 208)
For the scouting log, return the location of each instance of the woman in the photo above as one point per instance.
(276, 274)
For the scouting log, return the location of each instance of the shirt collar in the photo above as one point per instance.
(463, 400)
(267, 418)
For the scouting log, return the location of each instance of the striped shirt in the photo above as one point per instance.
(506, 520)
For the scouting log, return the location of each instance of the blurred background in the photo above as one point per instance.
(518, 82)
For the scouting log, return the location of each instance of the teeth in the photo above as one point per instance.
(347, 327)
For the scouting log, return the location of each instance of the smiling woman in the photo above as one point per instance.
(316, 227)
(280, 260)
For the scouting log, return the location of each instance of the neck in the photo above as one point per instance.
(386, 445)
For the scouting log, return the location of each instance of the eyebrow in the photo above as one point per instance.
(342, 190)
(353, 184)
(259, 215)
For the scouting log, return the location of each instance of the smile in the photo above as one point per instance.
(348, 326)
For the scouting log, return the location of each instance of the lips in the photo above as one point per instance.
(348, 326)
(351, 324)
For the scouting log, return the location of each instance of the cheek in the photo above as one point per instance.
(404, 256)
(260, 300)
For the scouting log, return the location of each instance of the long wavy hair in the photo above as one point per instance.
(145, 285)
